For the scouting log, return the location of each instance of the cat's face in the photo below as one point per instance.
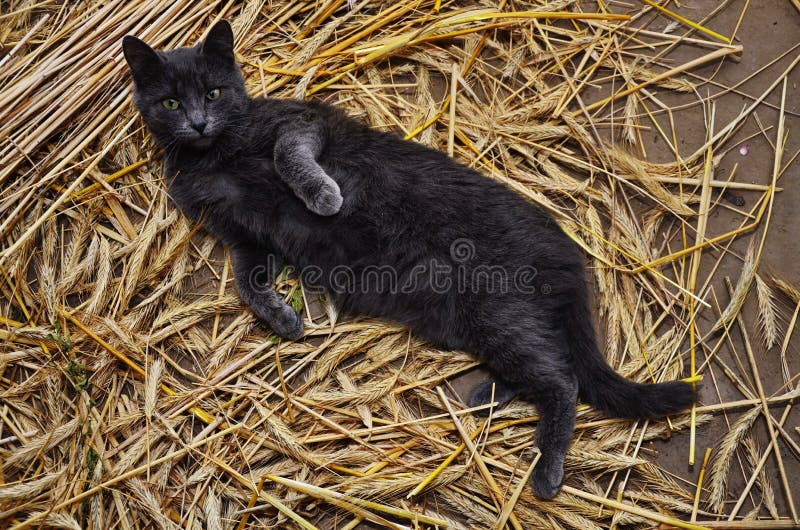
(189, 96)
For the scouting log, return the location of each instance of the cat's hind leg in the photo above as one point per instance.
(535, 363)
(556, 398)
(493, 390)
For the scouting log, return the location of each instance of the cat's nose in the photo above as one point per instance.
(199, 126)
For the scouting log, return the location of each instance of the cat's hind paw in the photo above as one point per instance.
(547, 477)
(484, 392)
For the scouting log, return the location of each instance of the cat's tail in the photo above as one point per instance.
(606, 390)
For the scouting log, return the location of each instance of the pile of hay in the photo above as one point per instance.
(138, 392)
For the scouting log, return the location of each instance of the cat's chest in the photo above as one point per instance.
(247, 199)
(234, 185)
(221, 188)
(244, 199)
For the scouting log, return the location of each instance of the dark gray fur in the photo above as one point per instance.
(299, 181)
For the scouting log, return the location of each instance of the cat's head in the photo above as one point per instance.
(189, 96)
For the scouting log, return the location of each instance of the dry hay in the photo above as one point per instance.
(138, 392)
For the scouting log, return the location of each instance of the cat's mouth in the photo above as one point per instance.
(200, 141)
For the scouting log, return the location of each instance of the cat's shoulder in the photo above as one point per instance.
(330, 120)
(287, 107)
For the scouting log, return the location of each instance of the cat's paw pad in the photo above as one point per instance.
(328, 200)
(546, 479)
(483, 393)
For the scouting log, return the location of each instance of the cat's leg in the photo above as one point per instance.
(556, 398)
(535, 364)
(492, 390)
(255, 269)
(296, 151)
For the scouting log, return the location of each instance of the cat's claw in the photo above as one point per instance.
(327, 201)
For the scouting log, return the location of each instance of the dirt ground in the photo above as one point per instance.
(769, 28)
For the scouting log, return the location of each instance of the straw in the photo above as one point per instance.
(139, 391)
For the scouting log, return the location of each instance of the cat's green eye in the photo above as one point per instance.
(213, 94)
(171, 104)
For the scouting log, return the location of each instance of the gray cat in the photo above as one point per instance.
(464, 262)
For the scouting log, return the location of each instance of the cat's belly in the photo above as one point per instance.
(414, 295)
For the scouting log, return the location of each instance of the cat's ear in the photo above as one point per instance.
(142, 59)
(219, 41)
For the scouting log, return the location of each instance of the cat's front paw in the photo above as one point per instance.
(283, 320)
(328, 200)
(287, 324)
